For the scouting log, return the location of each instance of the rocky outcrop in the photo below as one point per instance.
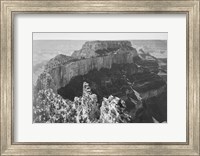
(87, 106)
(57, 61)
(113, 111)
(64, 73)
(52, 108)
(99, 48)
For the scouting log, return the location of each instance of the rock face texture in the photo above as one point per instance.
(63, 68)
(99, 48)
(52, 108)
(109, 68)
(57, 61)
(113, 111)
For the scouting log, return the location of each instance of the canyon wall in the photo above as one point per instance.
(61, 69)
(64, 73)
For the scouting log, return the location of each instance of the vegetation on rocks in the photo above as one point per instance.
(52, 108)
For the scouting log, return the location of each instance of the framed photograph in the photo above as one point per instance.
(100, 77)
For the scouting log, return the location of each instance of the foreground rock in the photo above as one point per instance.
(52, 108)
(113, 111)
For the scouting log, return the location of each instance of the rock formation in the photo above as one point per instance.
(100, 48)
(111, 68)
(87, 106)
(62, 73)
(113, 111)
(52, 108)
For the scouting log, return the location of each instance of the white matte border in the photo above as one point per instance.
(99, 36)
(173, 131)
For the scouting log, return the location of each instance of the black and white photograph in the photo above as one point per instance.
(99, 79)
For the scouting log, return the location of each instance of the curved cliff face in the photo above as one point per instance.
(65, 72)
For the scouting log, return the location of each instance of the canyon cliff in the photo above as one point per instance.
(63, 73)
(111, 68)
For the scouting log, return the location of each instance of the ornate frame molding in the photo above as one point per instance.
(11, 7)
